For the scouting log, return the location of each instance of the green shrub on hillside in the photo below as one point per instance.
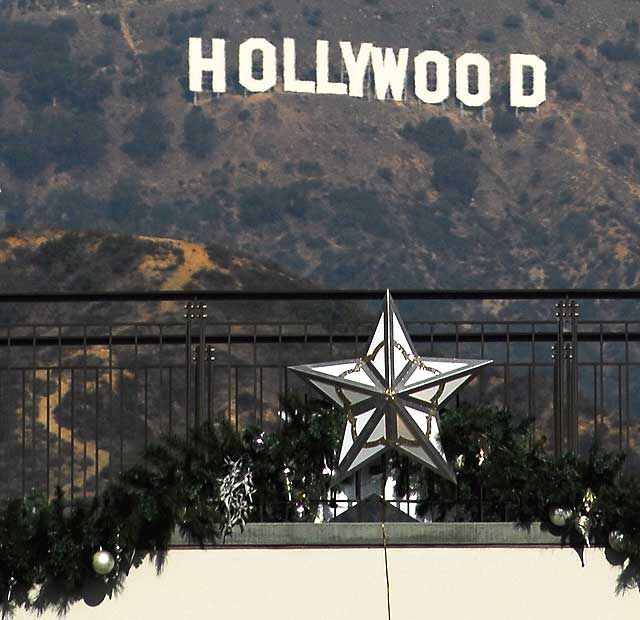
(149, 137)
(513, 22)
(488, 35)
(456, 173)
(199, 133)
(60, 137)
(619, 51)
(110, 20)
(67, 82)
(505, 122)
(125, 202)
(435, 136)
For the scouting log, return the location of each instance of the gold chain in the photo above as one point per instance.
(346, 403)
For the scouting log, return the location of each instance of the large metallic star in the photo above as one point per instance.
(391, 397)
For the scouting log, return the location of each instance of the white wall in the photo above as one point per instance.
(461, 583)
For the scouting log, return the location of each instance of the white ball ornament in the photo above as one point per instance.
(103, 562)
(617, 541)
(560, 516)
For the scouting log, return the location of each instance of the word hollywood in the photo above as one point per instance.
(390, 70)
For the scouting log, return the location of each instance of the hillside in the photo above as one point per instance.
(341, 191)
(53, 260)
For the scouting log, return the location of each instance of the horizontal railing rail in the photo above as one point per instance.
(324, 295)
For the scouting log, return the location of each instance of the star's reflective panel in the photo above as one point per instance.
(391, 397)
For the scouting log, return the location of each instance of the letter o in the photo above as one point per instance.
(245, 65)
(473, 100)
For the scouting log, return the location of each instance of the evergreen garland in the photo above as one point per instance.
(46, 547)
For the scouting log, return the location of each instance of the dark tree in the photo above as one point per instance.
(74, 140)
(456, 173)
(199, 133)
(513, 22)
(24, 154)
(619, 51)
(505, 122)
(63, 138)
(125, 204)
(65, 81)
(437, 135)
(149, 132)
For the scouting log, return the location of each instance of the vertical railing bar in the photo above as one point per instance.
(601, 408)
(457, 331)
(557, 386)
(229, 385)
(170, 370)
(237, 403)
(281, 377)
(121, 420)
(59, 405)
(575, 377)
(161, 360)
(84, 403)
(330, 341)
(255, 372)
(626, 383)
(187, 366)
(24, 431)
(110, 422)
(97, 454)
(59, 408)
(201, 361)
(482, 377)
(146, 412)
(533, 380)
(33, 405)
(3, 421)
(620, 407)
(261, 397)
(73, 436)
(595, 402)
(213, 388)
(209, 384)
(48, 447)
(356, 333)
(507, 367)
(136, 376)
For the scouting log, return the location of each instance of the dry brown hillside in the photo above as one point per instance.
(341, 191)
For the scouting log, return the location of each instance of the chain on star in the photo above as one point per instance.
(346, 402)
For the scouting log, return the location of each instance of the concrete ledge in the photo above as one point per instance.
(397, 535)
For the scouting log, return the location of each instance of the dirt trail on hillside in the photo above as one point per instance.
(46, 409)
(126, 34)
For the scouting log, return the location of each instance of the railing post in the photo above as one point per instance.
(572, 375)
(195, 311)
(558, 365)
(565, 355)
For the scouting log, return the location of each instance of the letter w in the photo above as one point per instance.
(389, 72)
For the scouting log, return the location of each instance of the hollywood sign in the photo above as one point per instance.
(390, 70)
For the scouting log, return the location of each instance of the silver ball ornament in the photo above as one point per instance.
(103, 562)
(617, 541)
(560, 516)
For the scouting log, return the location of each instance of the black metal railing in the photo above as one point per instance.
(80, 398)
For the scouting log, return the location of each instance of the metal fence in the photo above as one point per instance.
(80, 400)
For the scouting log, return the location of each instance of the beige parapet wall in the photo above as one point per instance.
(515, 582)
